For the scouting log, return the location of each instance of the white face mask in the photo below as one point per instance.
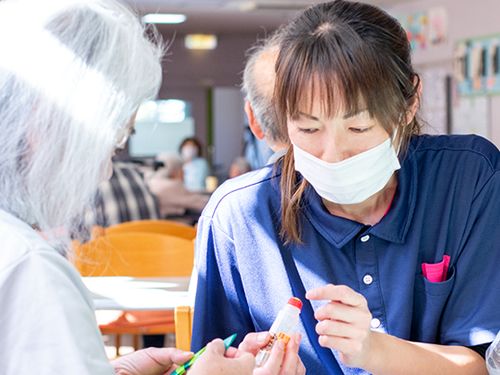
(351, 180)
(189, 152)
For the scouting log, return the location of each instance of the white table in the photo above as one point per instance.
(130, 293)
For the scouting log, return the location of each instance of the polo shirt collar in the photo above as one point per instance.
(393, 227)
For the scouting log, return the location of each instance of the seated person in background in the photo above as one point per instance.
(195, 167)
(239, 167)
(167, 184)
(124, 197)
(258, 86)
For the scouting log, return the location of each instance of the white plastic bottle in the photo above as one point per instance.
(282, 328)
(493, 356)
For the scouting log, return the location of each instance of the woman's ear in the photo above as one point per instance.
(413, 109)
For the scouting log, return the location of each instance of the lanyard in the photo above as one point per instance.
(307, 315)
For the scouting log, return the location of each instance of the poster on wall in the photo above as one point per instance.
(434, 101)
(425, 29)
(476, 65)
(438, 25)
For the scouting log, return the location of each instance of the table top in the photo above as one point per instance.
(130, 293)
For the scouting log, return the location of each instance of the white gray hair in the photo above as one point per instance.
(70, 80)
(242, 164)
(261, 100)
(172, 163)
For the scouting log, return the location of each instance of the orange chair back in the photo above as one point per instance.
(136, 254)
(183, 327)
(155, 226)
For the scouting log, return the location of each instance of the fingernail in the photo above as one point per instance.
(281, 344)
(310, 294)
(261, 339)
(298, 337)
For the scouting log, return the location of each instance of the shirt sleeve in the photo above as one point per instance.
(471, 316)
(220, 307)
(48, 322)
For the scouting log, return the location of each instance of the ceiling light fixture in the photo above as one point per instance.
(200, 41)
(164, 18)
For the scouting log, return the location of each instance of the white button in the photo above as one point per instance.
(368, 279)
(365, 238)
(375, 323)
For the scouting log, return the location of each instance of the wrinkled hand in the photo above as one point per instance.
(151, 361)
(213, 361)
(280, 362)
(344, 323)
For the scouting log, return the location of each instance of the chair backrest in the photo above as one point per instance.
(136, 254)
(155, 226)
(183, 327)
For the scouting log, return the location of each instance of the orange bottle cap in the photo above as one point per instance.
(295, 302)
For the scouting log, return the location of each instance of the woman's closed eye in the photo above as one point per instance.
(359, 130)
(307, 130)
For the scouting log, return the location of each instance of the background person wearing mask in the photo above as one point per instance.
(195, 167)
(62, 115)
(390, 238)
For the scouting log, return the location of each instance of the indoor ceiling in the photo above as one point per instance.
(231, 16)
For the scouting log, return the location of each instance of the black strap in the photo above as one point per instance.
(480, 349)
(307, 315)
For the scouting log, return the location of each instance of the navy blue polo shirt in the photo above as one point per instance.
(447, 203)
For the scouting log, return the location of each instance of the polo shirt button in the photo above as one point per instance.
(365, 238)
(368, 279)
(375, 323)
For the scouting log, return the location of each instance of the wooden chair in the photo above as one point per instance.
(183, 327)
(155, 226)
(136, 254)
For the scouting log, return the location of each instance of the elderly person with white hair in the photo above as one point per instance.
(71, 80)
(167, 184)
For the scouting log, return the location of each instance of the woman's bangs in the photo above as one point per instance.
(339, 92)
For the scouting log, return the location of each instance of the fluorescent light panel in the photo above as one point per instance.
(164, 18)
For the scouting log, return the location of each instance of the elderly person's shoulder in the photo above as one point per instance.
(252, 188)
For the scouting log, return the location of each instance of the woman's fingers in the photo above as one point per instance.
(344, 322)
(339, 293)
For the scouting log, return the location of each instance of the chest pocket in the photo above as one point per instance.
(429, 300)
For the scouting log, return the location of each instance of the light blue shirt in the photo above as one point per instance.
(195, 173)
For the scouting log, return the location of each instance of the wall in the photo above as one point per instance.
(188, 74)
(228, 128)
(466, 19)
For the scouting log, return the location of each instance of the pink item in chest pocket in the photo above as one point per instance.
(436, 272)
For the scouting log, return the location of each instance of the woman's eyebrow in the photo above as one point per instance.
(308, 116)
(355, 114)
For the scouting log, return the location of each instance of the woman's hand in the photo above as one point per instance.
(344, 323)
(280, 361)
(151, 361)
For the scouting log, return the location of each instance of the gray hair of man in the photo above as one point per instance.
(261, 99)
(242, 165)
(71, 79)
(172, 165)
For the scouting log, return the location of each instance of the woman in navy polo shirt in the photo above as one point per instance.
(389, 237)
